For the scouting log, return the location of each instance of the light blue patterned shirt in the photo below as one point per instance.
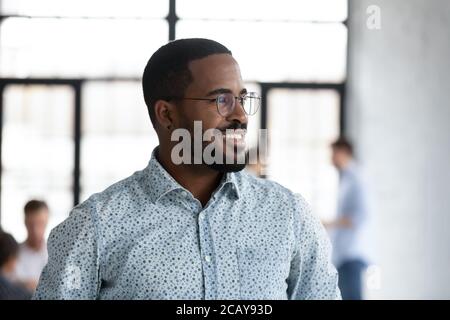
(146, 237)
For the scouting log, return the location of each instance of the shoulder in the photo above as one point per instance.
(356, 173)
(124, 189)
(116, 196)
(270, 194)
(282, 205)
(85, 217)
(356, 180)
(249, 183)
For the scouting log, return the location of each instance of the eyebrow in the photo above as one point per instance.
(224, 90)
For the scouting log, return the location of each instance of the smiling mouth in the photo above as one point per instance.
(234, 133)
(234, 139)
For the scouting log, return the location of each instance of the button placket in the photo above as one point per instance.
(207, 255)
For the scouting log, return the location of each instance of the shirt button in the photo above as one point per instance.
(208, 258)
(201, 216)
(184, 194)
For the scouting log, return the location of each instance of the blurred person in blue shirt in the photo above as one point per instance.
(351, 230)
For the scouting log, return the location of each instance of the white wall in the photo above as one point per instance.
(398, 115)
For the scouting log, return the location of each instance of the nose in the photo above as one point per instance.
(238, 114)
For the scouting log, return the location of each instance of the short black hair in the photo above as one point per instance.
(33, 206)
(343, 143)
(167, 73)
(8, 247)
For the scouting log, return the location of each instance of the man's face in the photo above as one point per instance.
(339, 158)
(212, 76)
(36, 223)
(10, 266)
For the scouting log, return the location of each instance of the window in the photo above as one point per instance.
(286, 10)
(78, 47)
(308, 120)
(87, 8)
(294, 52)
(103, 46)
(118, 137)
(37, 152)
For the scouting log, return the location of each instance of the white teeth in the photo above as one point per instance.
(235, 135)
(238, 134)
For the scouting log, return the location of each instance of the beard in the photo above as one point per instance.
(229, 156)
(224, 167)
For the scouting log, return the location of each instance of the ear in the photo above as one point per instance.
(164, 113)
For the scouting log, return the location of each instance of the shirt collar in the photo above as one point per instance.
(351, 166)
(229, 181)
(162, 183)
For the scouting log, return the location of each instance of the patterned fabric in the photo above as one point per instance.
(146, 237)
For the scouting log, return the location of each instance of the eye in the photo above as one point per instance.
(222, 99)
(225, 99)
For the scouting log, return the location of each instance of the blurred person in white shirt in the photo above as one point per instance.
(32, 256)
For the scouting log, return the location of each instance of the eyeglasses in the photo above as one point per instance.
(226, 102)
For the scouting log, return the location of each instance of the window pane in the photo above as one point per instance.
(118, 137)
(87, 8)
(304, 10)
(314, 52)
(78, 47)
(301, 126)
(37, 152)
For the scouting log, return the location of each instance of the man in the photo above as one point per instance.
(33, 252)
(9, 249)
(196, 229)
(350, 230)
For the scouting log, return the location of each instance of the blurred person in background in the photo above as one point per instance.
(349, 232)
(9, 250)
(33, 252)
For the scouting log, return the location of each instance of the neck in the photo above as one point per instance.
(35, 245)
(200, 180)
(345, 164)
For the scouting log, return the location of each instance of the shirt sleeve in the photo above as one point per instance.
(72, 270)
(312, 275)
